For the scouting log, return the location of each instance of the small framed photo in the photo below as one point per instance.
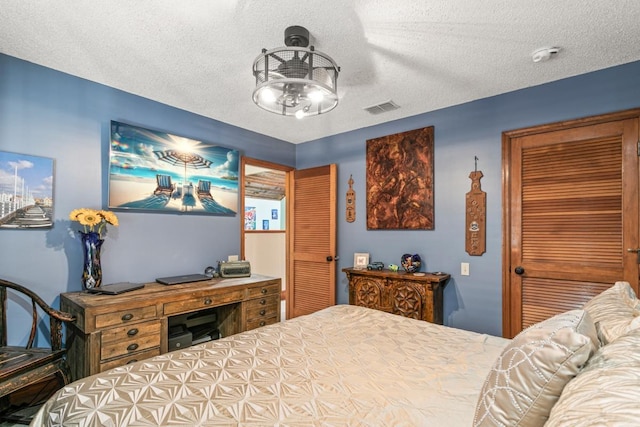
(360, 260)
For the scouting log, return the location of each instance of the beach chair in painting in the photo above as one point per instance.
(208, 202)
(204, 189)
(164, 185)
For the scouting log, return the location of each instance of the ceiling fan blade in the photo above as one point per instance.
(274, 56)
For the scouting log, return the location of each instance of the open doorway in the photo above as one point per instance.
(264, 230)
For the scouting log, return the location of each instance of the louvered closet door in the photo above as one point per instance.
(313, 241)
(572, 200)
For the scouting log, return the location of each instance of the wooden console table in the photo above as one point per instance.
(113, 330)
(418, 297)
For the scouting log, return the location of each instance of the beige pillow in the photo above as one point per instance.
(606, 391)
(527, 378)
(615, 311)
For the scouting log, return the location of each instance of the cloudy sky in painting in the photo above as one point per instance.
(21, 171)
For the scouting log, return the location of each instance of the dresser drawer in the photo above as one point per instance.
(261, 307)
(125, 316)
(130, 332)
(266, 289)
(129, 359)
(257, 323)
(202, 302)
(129, 346)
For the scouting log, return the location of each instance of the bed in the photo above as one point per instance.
(349, 365)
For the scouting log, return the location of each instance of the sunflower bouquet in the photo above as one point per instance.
(93, 221)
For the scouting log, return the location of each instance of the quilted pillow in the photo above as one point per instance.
(615, 311)
(527, 378)
(606, 391)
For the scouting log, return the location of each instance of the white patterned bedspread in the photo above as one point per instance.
(342, 366)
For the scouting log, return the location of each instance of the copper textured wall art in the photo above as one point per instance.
(400, 181)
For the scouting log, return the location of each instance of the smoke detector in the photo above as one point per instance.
(544, 54)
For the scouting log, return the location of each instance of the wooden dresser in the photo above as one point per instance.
(113, 330)
(418, 297)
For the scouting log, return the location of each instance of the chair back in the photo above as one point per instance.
(56, 317)
(164, 181)
(204, 186)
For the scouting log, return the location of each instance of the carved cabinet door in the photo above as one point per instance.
(407, 299)
(368, 292)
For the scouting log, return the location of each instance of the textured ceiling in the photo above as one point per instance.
(424, 55)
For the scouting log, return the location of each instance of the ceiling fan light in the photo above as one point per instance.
(295, 74)
(316, 96)
(267, 96)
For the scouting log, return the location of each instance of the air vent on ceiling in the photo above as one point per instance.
(383, 107)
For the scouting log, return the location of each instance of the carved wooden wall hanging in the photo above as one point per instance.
(351, 201)
(400, 181)
(476, 208)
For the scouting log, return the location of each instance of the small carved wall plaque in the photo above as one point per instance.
(476, 207)
(351, 201)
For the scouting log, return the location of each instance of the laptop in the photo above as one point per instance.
(116, 288)
(186, 278)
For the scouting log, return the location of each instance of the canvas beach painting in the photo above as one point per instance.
(26, 191)
(156, 171)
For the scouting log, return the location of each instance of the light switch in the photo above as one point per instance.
(464, 269)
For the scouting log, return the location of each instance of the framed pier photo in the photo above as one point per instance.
(26, 191)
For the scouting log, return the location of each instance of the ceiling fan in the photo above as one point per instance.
(295, 80)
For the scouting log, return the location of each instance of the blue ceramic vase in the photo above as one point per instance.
(91, 270)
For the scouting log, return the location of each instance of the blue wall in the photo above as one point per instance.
(51, 114)
(472, 302)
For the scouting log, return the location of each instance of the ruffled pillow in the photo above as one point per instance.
(528, 377)
(615, 311)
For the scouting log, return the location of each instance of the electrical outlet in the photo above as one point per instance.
(464, 268)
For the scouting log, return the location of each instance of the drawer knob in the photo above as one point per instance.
(132, 332)
(127, 317)
(264, 290)
(263, 301)
(263, 312)
(132, 347)
(207, 301)
(263, 323)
